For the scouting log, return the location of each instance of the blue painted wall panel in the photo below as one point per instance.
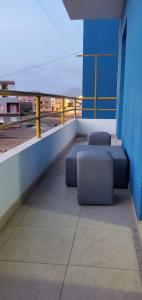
(100, 36)
(130, 104)
(121, 80)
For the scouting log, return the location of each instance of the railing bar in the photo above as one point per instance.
(22, 93)
(96, 54)
(92, 109)
(107, 98)
(16, 93)
(32, 119)
(8, 125)
(107, 109)
(69, 110)
(35, 94)
(99, 98)
(38, 95)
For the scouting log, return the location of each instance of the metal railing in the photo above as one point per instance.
(60, 113)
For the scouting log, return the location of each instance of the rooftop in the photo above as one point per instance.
(7, 82)
(54, 249)
(94, 9)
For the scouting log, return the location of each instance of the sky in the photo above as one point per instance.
(28, 38)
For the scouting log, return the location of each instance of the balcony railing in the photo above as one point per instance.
(60, 113)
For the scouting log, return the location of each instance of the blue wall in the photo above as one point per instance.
(121, 80)
(130, 104)
(100, 36)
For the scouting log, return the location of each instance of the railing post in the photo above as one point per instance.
(75, 108)
(63, 112)
(38, 127)
(95, 89)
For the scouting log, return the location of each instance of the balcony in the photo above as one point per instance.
(52, 248)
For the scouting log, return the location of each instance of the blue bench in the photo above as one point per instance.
(120, 164)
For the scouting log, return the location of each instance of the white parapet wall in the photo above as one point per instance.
(24, 164)
(87, 126)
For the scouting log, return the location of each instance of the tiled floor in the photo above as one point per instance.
(52, 249)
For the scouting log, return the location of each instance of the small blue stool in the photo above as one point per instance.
(99, 138)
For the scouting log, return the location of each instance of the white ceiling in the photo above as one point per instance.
(94, 9)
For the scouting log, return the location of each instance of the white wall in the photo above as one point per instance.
(21, 166)
(87, 126)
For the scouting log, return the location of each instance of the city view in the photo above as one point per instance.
(18, 108)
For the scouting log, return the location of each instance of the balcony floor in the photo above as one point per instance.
(53, 249)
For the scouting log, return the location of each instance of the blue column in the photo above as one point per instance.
(100, 36)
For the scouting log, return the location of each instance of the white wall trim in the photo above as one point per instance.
(87, 126)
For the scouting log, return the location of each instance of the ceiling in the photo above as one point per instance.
(94, 9)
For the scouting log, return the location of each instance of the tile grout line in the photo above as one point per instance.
(12, 232)
(64, 265)
(43, 226)
(129, 230)
(106, 268)
(32, 262)
(22, 217)
(61, 291)
(14, 227)
(136, 220)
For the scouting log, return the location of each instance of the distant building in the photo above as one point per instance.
(9, 106)
(48, 104)
(45, 104)
(26, 104)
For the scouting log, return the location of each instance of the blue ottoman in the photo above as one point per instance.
(95, 178)
(99, 138)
